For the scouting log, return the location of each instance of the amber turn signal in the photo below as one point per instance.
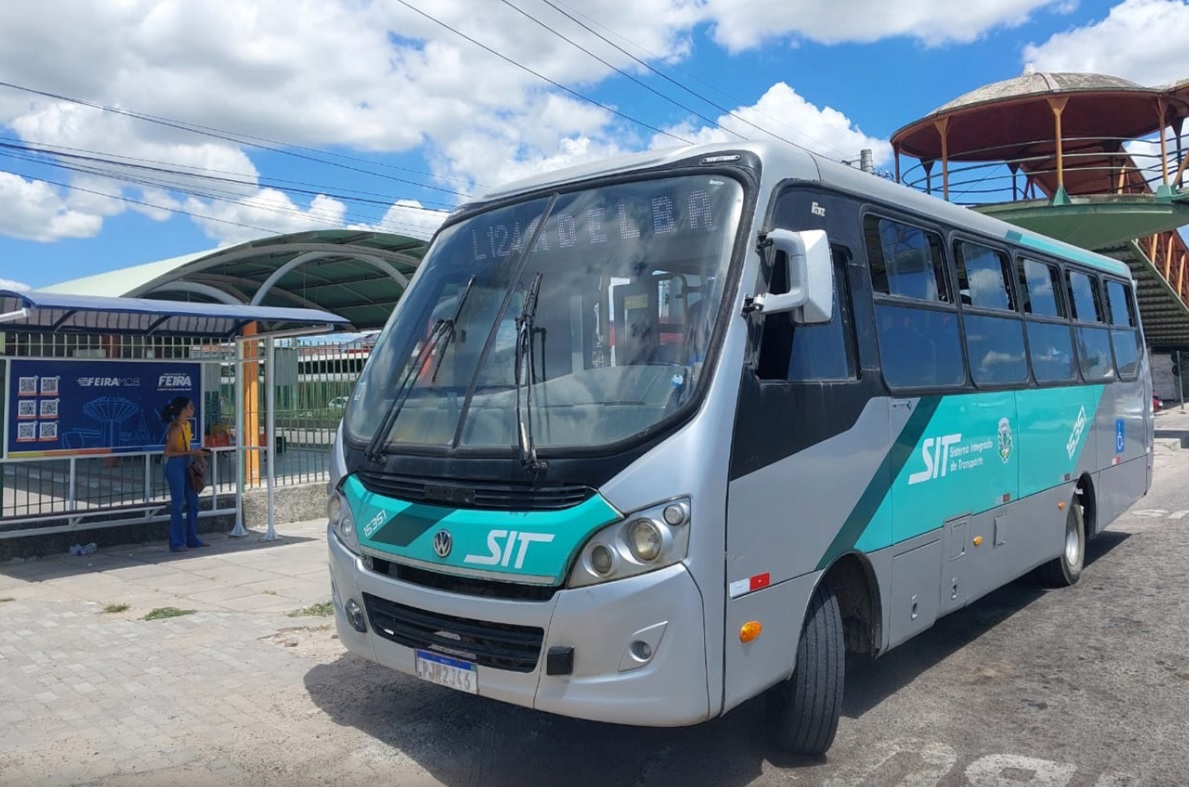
(751, 629)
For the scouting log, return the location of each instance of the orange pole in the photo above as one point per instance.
(251, 404)
(1181, 277)
(1181, 169)
(1163, 140)
(1058, 106)
(942, 126)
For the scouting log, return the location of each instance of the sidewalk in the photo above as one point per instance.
(234, 574)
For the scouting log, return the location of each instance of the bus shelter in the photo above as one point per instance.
(84, 379)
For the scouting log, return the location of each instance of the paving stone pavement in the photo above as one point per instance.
(214, 697)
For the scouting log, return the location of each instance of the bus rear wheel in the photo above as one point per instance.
(805, 708)
(1065, 569)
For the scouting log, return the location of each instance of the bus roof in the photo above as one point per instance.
(810, 166)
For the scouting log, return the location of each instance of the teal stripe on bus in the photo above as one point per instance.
(1073, 253)
(967, 454)
(515, 543)
(877, 489)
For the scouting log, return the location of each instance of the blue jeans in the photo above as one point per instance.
(181, 534)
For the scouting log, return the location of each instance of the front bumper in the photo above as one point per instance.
(608, 683)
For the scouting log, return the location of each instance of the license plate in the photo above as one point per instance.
(446, 671)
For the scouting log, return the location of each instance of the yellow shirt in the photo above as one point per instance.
(182, 445)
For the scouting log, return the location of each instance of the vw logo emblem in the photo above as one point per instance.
(442, 543)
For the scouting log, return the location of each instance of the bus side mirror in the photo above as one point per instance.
(810, 276)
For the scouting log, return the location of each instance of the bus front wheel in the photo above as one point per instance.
(805, 708)
(1065, 569)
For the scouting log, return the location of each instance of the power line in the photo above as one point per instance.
(566, 11)
(664, 76)
(130, 162)
(544, 78)
(129, 200)
(620, 71)
(239, 139)
(214, 194)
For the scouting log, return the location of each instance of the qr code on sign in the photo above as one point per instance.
(49, 431)
(49, 408)
(27, 386)
(26, 408)
(49, 386)
(26, 432)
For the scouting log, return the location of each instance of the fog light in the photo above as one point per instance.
(676, 514)
(355, 616)
(641, 650)
(602, 559)
(644, 539)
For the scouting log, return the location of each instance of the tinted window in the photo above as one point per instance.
(823, 352)
(1126, 343)
(1051, 348)
(1094, 354)
(983, 277)
(1039, 288)
(905, 260)
(1083, 294)
(919, 348)
(1119, 296)
(995, 346)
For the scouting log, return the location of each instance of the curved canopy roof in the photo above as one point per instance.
(357, 275)
(1013, 118)
(66, 313)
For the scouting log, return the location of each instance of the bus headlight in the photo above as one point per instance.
(339, 514)
(646, 540)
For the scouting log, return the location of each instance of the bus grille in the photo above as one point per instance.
(499, 645)
(475, 494)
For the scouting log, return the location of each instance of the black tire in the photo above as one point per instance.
(806, 707)
(1065, 569)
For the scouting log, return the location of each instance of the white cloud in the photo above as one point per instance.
(374, 75)
(743, 24)
(9, 284)
(788, 117)
(33, 210)
(406, 217)
(269, 212)
(1141, 40)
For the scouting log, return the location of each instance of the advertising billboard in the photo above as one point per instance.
(67, 408)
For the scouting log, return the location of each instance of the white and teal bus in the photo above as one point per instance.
(648, 438)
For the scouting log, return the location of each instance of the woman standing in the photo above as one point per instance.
(178, 457)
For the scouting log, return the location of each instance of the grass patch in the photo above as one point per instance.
(322, 609)
(113, 608)
(269, 592)
(167, 612)
(6, 599)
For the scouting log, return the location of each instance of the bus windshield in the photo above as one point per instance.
(593, 335)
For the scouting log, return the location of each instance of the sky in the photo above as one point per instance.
(138, 130)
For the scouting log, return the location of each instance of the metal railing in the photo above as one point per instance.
(1089, 165)
(310, 384)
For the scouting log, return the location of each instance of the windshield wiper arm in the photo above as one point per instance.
(439, 336)
(524, 358)
(449, 328)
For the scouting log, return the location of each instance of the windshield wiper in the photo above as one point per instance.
(439, 336)
(524, 358)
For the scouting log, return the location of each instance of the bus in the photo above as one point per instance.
(648, 438)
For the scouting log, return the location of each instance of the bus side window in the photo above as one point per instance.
(826, 352)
